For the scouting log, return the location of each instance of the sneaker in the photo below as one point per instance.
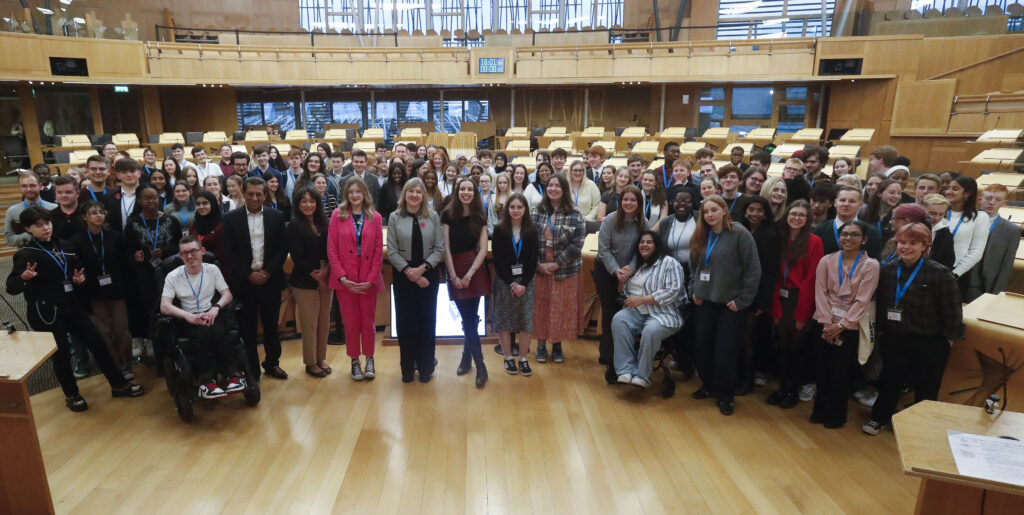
(369, 372)
(871, 427)
(235, 385)
(76, 403)
(556, 353)
(498, 349)
(128, 390)
(137, 346)
(760, 379)
(82, 368)
(128, 374)
(357, 372)
(150, 355)
(624, 379)
(542, 353)
(808, 391)
(510, 366)
(524, 367)
(868, 399)
(640, 382)
(211, 391)
(788, 401)
(515, 349)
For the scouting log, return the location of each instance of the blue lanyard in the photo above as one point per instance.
(156, 231)
(325, 200)
(541, 188)
(647, 208)
(576, 197)
(127, 209)
(949, 215)
(664, 177)
(681, 234)
(551, 225)
(902, 291)
(446, 187)
(62, 263)
(101, 252)
(835, 231)
(850, 275)
(994, 222)
(517, 247)
(878, 224)
(738, 195)
(890, 257)
(202, 273)
(812, 181)
(25, 202)
(359, 232)
(183, 216)
(487, 201)
(91, 192)
(711, 246)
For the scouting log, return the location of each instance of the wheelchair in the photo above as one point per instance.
(667, 352)
(175, 353)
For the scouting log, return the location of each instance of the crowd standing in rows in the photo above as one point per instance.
(835, 286)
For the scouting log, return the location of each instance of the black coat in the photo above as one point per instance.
(237, 247)
(44, 294)
(115, 258)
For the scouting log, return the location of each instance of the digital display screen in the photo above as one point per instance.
(449, 322)
(492, 65)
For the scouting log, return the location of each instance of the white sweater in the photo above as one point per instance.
(968, 240)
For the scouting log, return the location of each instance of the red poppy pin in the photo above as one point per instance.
(423, 225)
(117, 196)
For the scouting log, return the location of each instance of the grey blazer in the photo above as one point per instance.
(400, 239)
(992, 274)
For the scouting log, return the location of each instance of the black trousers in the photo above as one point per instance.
(833, 364)
(607, 287)
(142, 300)
(72, 319)
(757, 347)
(212, 351)
(416, 313)
(790, 350)
(918, 357)
(719, 334)
(261, 303)
(468, 309)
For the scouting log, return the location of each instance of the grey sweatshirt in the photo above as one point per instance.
(734, 268)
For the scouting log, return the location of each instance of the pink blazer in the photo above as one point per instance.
(341, 251)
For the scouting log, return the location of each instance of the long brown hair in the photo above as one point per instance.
(529, 230)
(454, 209)
(565, 205)
(795, 248)
(640, 220)
(873, 211)
(699, 240)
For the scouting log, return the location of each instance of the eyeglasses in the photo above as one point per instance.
(846, 234)
(756, 179)
(192, 252)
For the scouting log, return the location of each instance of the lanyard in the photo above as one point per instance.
(202, 273)
(664, 177)
(25, 202)
(949, 214)
(62, 262)
(682, 233)
(487, 201)
(994, 222)
(91, 192)
(325, 200)
(647, 208)
(127, 208)
(551, 225)
(156, 231)
(182, 216)
(812, 181)
(878, 224)
(902, 291)
(738, 195)
(358, 223)
(517, 247)
(711, 246)
(446, 187)
(850, 275)
(890, 257)
(101, 252)
(576, 197)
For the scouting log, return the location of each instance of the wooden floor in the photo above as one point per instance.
(562, 441)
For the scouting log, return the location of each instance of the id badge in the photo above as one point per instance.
(105, 280)
(895, 315)
(841, 313)
(705, 276)
(548, 243)
(68, 287)
(783, 293)
(517, 269)
(154, 262)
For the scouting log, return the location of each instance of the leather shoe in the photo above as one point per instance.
(725, 407)
(276, 373)
(701, 394)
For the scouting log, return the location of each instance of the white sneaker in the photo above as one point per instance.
(867, 399)
(760, 379)
(625, 379)
(150, 354)
(808, 391)
(640, 382)
(211, 391)
(137, 349)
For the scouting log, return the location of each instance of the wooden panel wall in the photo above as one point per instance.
(199, 109)
(923, 107)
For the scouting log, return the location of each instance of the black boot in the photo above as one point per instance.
(464, 365)
(481, 370)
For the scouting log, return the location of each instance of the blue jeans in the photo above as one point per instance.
(468, 312)
(628, 323)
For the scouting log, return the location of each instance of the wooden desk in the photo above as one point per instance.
(23, 484)
(850, 152)
(994, 159)
(217, 138)
(629, 135)
(1011, 180)
(994, 138)
(747, 146)
(296, 138)
(690, 147)
(376, 135)
(677, 134)
(609, 147)
(759, 137)
(786, 150)
(716, 137)
(921, 434)
(519, 147)
(564, 144)
(646, 149)
(804, 136)
(594, 133)
(858, 137)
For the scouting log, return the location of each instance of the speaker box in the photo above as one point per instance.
(840, 66)
(69, 66)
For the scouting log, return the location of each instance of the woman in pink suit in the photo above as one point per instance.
(354, 248)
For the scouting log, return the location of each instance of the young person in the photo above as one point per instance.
(149, 237)
(882, 159)
(754, 361)
(969, 227)
(610, 198)
(848, 203)
(515, 251)
(925, 185)
(823, 198)
(653, 199)
(936, 206)
(670, 154)
(775, 191)
(616, 247)
(67, 217)
(203, 167)
(390, 192)
(729, 180)
(992, 274)
(584, 192)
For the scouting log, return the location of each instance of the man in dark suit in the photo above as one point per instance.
(120, 203)
(255, 248)
(359, 170)
(848, 202)
(992, 274)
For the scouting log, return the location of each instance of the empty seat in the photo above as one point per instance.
(993, 10)
(125, 140)
(912, 15)
(933, 13)
(1016, 10)
(193, 137)
(973, 11)
(952, 12)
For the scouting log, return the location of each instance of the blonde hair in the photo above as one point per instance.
(343, 208)
(415, 182)
(850, 179)
(935, 199)
(766, 192)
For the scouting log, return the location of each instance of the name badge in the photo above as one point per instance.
(895, 315)
(517, 269)
(841, 313)
(154, 262)
(105, 280)
(548, 243)
(784, 293)
(705, 276)
(68, 287)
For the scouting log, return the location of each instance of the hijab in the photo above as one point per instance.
(206, 224)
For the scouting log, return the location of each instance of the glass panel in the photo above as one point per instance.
(609, 13)
(386, 118)
(10, 117)
(311, 14)
(413, 111)
(452, 115)
(795, 93)
(546, 21)
(512, 14)
(710, 94)
(791, 117)
(710, 116)
(742, 129)
(317, 114)
(477, 111)
(280, 113)
(250, 114)
(67, 110)
(349, 112)
(751, 103)
(411, 15)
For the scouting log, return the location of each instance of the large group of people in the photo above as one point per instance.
(835, 286)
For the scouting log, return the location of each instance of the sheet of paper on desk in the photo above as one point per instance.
(988, 457)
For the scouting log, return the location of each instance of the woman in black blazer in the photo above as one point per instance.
(387, 197)
(50, 274)
(515, 252)
(756, 358)
(149, 237)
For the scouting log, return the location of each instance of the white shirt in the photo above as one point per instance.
(207, 170)
(256, 236)
(635, 288)
(679, 238)
(969, 240)
(184, 286)
(127, 204)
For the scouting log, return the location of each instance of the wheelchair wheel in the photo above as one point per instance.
(252, 395)
(184, 405)
(170, 376)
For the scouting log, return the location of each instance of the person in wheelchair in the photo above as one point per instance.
(193, 286)
(651, 310)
